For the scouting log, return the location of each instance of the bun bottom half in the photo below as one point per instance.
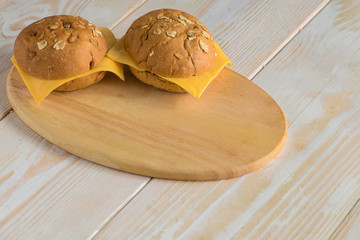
(81, 82)
(156, 81)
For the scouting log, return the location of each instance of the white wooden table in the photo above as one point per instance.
(304, 53)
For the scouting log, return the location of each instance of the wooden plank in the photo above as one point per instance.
(199, 8)
(251, 33)
(47, 193)
(18, 14)
(350, 226)
(314, 183)
(50, 193)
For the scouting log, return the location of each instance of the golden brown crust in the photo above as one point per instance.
(59, 47)
(156, 81)
(82, 82)
(170, 43)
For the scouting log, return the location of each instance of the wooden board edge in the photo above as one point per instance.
(156, 173)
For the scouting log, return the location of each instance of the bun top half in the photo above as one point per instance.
(59, 46)
(170, 43)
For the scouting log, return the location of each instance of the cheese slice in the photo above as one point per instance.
(109, 36)
(40, 88)
(194, 85)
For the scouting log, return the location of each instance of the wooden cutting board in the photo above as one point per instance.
(233, 129)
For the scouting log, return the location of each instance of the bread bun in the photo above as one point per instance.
(82, 82)
(59, 47)
(156, 81)
(170, 43)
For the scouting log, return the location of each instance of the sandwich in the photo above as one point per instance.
(170, 50)
(63, 53)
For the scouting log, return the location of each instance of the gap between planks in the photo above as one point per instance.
(288, 40)
(7, 112)
(339, 230)
(118, 209)
(131, 10)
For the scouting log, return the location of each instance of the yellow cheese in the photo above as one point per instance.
(195, 85)
(40, 88)
(109, 36)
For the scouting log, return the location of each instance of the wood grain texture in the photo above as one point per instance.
(314, 183)
(251, 33)
(350, 227)
(233, 129)
(18, 14)
(229, 38)
(47, 193)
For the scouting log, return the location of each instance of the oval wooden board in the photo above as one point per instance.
(233, 129)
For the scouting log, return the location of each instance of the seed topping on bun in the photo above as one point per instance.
(170, 43)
